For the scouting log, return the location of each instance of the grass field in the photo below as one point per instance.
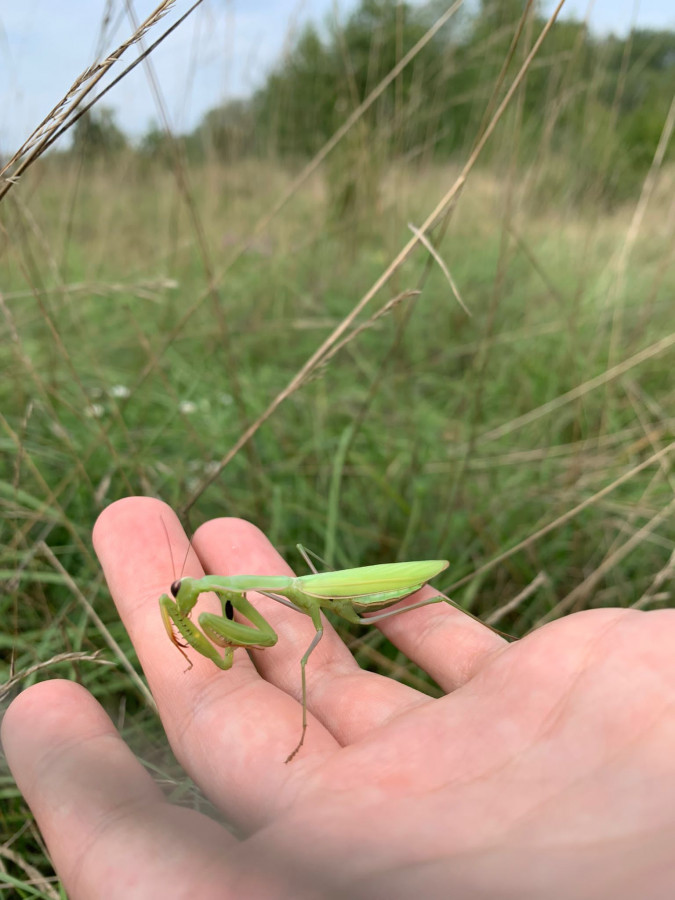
(137, 348)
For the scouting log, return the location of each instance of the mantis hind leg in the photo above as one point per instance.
(368, 620)
(440, 598)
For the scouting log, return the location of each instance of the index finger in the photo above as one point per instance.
(231, 731)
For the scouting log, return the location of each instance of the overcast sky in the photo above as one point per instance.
(222, 51)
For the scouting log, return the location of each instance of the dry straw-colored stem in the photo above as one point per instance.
(35, 878)
(77, 656)
(563, 519)
(581, 592)
(41, 137)
(100, 624)
(432, 219)
(580, 390)
(541, 580)
(654, 590)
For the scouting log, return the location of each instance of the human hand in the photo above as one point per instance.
(547, 771)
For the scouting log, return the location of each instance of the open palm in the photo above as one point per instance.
(547, 770)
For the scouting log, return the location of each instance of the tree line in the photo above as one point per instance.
(600, 100)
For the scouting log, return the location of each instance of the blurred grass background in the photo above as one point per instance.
(157, 295)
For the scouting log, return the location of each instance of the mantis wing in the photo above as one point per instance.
(390, 578)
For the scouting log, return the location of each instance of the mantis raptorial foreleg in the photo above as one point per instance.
(222, 631)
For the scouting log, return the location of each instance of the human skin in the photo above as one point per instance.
(546, 771)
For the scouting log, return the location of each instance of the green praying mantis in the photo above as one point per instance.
(348, 593)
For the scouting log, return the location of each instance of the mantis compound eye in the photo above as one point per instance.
(175, 587)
